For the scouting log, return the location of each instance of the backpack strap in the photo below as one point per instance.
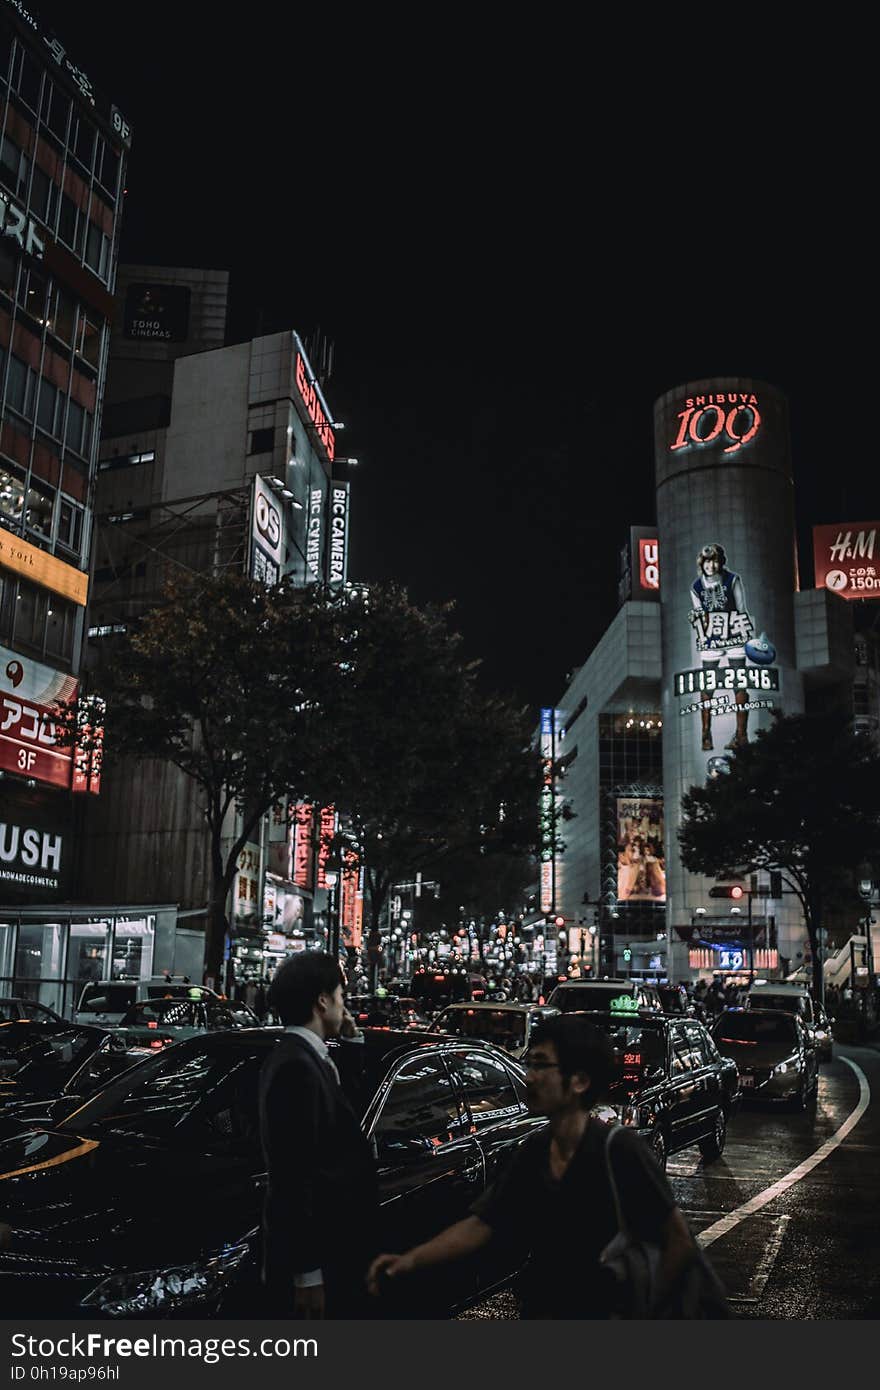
(621, 1223)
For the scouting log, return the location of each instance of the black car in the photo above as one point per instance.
(146, 1199)
(774, 1052)
(15, 1007)
(41, 1061)
(670, 1082)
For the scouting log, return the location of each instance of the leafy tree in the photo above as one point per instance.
(800, 798)
(235, 684)
(429, 768)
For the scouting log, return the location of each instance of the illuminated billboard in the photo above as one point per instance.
(268, 534)
(29, 738)
(846, 556)
(641, 861)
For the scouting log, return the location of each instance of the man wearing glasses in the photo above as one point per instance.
(553, 1202)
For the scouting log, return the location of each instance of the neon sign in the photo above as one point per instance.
(704, 418)
(624, 1004)
(314, 409)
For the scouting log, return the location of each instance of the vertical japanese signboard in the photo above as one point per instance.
(548, 799)
(29, 736)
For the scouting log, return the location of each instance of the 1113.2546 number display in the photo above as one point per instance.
(708, 679)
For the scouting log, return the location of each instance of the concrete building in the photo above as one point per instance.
(713, 633)
(63, 151)
(215, 457)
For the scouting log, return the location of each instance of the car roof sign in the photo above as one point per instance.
(624, 1004)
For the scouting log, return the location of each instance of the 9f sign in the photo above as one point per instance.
(704, 418)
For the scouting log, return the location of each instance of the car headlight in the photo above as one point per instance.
(790, 1064)
(158, 1291)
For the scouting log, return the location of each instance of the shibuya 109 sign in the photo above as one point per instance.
(731, 418)
(847, 558)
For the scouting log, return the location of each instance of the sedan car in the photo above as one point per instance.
(156, 1023)
(578, 995)
(671, 1083)
(509, 1026)
(42, 1061)
(773, 1052)
(17, 1007)
(146, 1200)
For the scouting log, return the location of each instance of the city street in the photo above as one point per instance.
(810, 1252)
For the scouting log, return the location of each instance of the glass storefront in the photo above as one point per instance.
(50, 961)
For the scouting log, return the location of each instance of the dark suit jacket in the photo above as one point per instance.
(321, 1201)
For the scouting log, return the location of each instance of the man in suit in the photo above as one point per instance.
(320, 1213)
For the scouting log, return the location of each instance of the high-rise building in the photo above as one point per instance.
(212, 457)
(713, 635)
(63, 152)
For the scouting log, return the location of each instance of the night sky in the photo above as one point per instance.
(509, 282)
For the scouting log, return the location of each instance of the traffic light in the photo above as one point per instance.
(726, 890)
(559, 921)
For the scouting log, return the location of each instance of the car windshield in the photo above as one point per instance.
(41, 1052)
(506, 1027)
(787, 1002)
(748, 1027)
(105, 999)
(671, 999)
(171, 1013)
(571, 998)
(639, 1053)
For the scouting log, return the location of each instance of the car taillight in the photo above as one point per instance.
(152, 1024)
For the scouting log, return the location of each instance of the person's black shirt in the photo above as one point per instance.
(564, 1226)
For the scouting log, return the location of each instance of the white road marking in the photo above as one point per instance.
(727, 1223)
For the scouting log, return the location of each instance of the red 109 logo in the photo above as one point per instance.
(705, 417)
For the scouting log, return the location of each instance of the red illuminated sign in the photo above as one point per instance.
(325, 839)
(649, 564)
(704, 418)
(846, 556)
(302, 846)
(314, 408)
(29, 737)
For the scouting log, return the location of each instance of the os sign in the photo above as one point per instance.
(732, 415)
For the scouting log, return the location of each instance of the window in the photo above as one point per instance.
(62, 315)
(95, 254)
(83, 141)
(262, 441)
(107, 169)
(29, 619)
(11, 494)
(89, 344)
(14, 166)
(33, 292)
(56, 109)
(126, 461)
(38, 509)
(60, 628)
(681, 1053)
(420, 1111)
(73, 432)
(8, 268)
(19, 391)
(44, 197)
(70, 224)
(29, 78)
(487, 1086)
(70, 525)
(48, 407)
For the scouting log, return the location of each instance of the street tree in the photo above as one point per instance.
(430, 768)
(800, 798)
(236, 684)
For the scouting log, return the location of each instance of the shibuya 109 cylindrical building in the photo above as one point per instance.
(725, 521)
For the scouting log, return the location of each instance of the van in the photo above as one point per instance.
(106, 1002)
(579, 995)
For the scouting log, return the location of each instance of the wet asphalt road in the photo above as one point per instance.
(813, 1251)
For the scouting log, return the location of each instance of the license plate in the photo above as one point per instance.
(747, 1081)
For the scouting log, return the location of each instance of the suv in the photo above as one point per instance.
(603, 994)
